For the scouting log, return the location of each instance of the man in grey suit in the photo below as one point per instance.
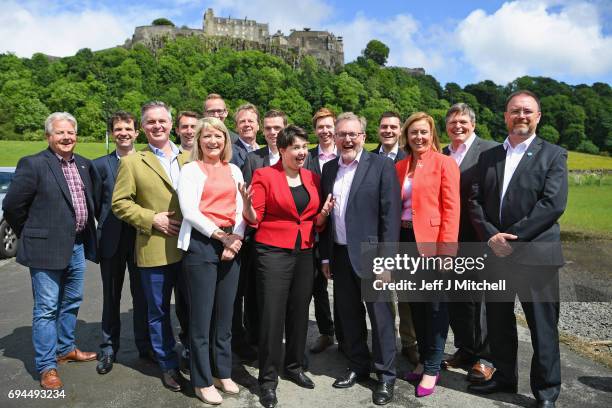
(247, 125)
(116, 249)
(50, 206)
(274, 121)
(467, 319)
(368, 206)
(518, 196)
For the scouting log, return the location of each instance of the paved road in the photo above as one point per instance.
(134, 383)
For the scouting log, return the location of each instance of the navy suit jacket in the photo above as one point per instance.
(38, 206)
(110, 227)
(535, 199)
(373, 210)
(401, 154)
(468, 171)
(255, 160)
(239, 154)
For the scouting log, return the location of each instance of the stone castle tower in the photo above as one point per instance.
(322, 45)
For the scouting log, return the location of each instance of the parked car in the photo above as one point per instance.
(8, 238)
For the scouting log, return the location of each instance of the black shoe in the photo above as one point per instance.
(173, 380)
(546, 404)
(323, 342)
(300, 378)
(349, 379)
(105, 363)
(492, 386)
(245, 352)
(383, 393)
(268, 398)
(148, 355)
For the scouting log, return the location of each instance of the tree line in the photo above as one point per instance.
(92, 85)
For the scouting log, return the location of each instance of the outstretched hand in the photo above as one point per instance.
(246, 193)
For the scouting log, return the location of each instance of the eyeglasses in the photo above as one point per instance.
(215, 112)
(517, 112)
(351, 135)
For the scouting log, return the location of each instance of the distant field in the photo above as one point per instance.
(588, 211)
(11, 151)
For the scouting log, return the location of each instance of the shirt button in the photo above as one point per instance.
(413, 212)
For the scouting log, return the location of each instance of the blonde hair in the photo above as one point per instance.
(415, 117)
(211, 123)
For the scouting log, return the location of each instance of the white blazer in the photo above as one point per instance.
(190, 188)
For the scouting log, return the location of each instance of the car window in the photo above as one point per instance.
(5, 180)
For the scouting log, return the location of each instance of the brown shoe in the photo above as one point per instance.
(50, 380)
(77, 355)
(460, 359)
(480, 373)
(411, 353)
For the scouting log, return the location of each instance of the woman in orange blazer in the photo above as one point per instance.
(283, 204)
(430, 214)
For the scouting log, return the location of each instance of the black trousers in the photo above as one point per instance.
(351, 311)
(212, 288)
(181, 306)
(245, 321)
(323, 315)
(112, 271)
(542, 319)
(285, 279)
(468, 320)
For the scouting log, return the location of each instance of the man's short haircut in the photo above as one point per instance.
(213, 96)
(246, 106)
(415, 117)
(390, 114)
(152, 105)
(351, 116)
(274, 113)
(58, 116)
(121, 116)
(461, 109)
(189, 114)
(287, 136)
(320, 114)
(523, 92)
(211, 123)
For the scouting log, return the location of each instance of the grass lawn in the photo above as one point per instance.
(588, 211)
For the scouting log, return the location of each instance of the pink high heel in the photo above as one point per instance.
(423, 392)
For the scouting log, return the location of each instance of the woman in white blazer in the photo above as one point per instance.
(211, 236)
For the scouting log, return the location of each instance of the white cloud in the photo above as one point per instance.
(536, 38)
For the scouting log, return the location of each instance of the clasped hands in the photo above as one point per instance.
(231, 244)
(499, 244)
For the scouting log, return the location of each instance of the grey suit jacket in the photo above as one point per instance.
(255, 160)
(468, 174)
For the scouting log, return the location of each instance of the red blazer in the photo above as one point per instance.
(278, 221)
(436, 202)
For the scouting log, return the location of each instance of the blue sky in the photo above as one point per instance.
(456, 41)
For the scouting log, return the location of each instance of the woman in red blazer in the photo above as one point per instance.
(283, 204)
(430, 214)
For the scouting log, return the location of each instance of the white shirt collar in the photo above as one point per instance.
(393, 151)
(467, 144)
(521, 147)
(320, 151)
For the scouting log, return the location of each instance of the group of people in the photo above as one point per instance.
(246, 236)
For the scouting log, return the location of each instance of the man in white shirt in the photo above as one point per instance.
(185, 129)
(389, 129)
(467, 319)
(247, 125)
(518, 197)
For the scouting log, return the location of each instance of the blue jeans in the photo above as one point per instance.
(57, 293)
(157, 284)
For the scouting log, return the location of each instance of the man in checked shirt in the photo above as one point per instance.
(50, 206)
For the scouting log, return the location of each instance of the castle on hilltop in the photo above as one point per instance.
(249, 34)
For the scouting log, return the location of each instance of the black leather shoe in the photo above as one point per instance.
(492, 386)
(105, 363)
(546, 404)
(349, 379)
(383, 393)
(268, 398)
(300, 378)
(148, 355)
(173, 380)
(323, 342)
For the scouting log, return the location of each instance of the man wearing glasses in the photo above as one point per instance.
(214, 107)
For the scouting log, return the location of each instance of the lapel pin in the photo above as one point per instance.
(529, 154)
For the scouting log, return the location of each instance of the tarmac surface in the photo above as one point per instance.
(136, 383)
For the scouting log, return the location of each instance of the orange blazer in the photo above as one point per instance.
(278, 221)
(436, 201)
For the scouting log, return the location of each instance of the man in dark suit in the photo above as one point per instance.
(518, 196)
(214, 107)
(389, 129)
(467, 319)
(274, 121)
(116, 250)
(324, 151)
(247, 125)
(367, 209)
(245, 319)
(50, 205)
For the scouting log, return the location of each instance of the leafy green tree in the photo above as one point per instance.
(377, 51)
(548, 133)
(586, 146)
(573, 136)
(375, 107)
(294, 105)
(162, 22)
(350, 93)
